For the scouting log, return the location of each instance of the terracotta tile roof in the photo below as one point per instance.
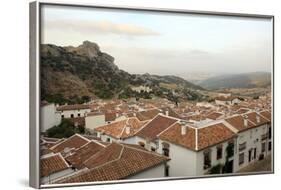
(127, 162)
(253, 117)
(213, 134)
(237, 122)
(174, 135)
(171, 112)
(118, 129)
(242, 110)
(75, 141)
(52, 164)
(84, 153)
(73, 107)
(266, 114)
(197, 117)
(147, 115)
(94, 113)
(206, 136)
(214, 115)
(110, 117)
(156, 126)
(110, 153)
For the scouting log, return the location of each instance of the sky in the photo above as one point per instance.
(164, 43)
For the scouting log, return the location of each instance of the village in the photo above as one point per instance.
(125, 139)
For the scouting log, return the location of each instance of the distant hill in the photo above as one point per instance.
(245, 80)
(76, 74)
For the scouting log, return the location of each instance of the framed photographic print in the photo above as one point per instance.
(128, 94)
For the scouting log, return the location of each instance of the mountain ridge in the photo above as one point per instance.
(76, 74)
(241, 80)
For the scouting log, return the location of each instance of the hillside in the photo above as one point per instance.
(245, 80)
(76, 74)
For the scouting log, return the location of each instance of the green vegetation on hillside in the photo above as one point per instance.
(64, 130)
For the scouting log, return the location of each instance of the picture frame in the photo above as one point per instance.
(36, 30)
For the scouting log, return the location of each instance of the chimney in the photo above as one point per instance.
(183, 130)
(127, 130)
(135, 114)
(245, 122)
(167, 113)
(258, 118)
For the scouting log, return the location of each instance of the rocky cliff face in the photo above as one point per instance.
(75, 74)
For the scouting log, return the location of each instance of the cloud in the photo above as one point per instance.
(98, 27)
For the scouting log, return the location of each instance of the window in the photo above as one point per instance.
(62, 116)
(79, 114)
(153, 149)
(241, 158)
(263, 147)
(242, 146)
(269, 132)
(166, 149)
(207, 159)
(108, 140)
(167, 167)
(230, 149)
(219, 152)
(269, 146)
(71, 115)
(141, 144)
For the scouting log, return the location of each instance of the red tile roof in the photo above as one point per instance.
(110, 117)
(84, 153)
(147, 115)
(238, 123)
(73, 107)
(75, 141)
(253, 117)
(206, 136)
(214, 115)
(52, 164)
(156, 126)
(126, 161)
(266, 114)
(213, 134)
(118, 129)
(174, 135)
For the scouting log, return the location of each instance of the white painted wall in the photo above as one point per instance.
(155, 172)
(251, 136)
(186, 162)
(67, 113)
(183, 161)
(54, 176)
(91, 122)
(49, 117)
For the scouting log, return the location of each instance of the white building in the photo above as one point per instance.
(253, 142)
(224, 101)
(194, 151)
(93, 120)
(141, 88)
(49, 116)
(73, 111)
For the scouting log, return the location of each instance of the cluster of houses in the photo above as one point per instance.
(154, 138)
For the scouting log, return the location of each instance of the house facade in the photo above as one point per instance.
(73, 111)
(49, 116)
(195, 151)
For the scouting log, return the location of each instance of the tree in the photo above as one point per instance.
(64, 130)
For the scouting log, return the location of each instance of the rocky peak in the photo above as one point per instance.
(89, 49)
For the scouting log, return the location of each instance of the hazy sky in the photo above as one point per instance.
(164, 43)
